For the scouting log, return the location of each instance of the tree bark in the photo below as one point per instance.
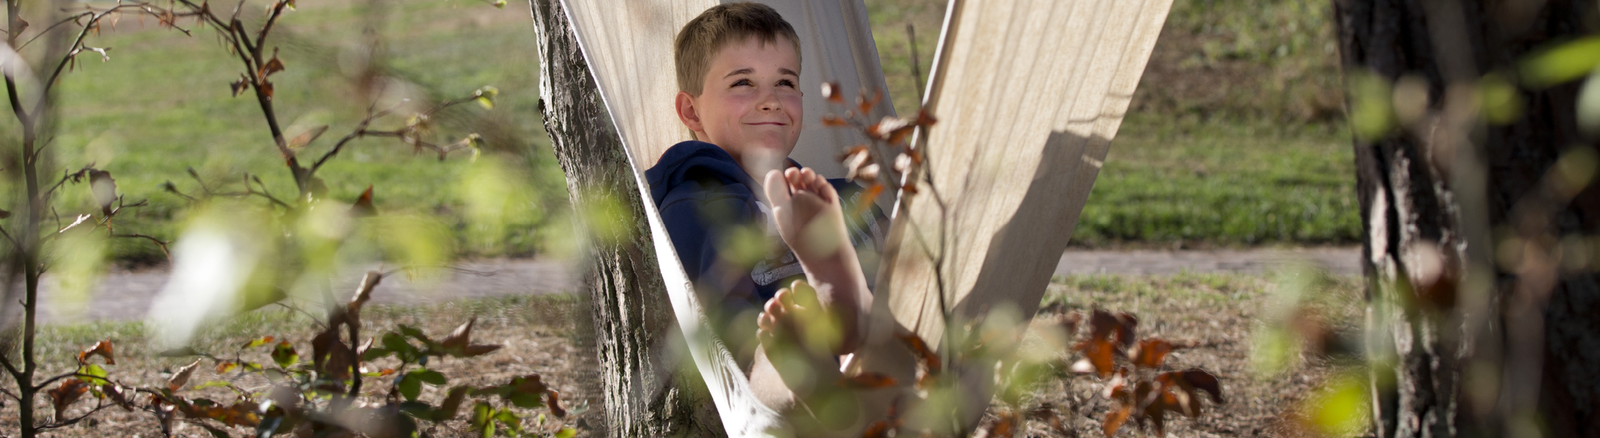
(634, 332)
(1489, 333)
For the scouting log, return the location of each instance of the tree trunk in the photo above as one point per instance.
(1489, 322)
(634, 333)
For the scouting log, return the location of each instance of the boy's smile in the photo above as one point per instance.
(749, 104)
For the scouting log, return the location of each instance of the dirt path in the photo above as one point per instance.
(126, 295)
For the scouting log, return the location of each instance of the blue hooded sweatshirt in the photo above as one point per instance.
(704, 195)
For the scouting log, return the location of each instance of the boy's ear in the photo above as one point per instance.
(687, 113)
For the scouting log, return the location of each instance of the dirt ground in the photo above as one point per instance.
(1218, 313)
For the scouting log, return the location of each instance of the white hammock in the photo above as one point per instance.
(1029, 93)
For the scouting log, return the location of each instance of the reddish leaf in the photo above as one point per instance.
(925, 119)
(1116, 389)
(479, 350)
(1100, 354)
(529, 384)
(265, 87)
(181, 377)
(114, 392)
(891, 130)
(831, 91)
(833, 120)
(1150, 353)
(1005, 426)
(878, 429)
(329, 355)
(70, 391)
(226, 366)
(452, 402)
(1205, 381)
(272, 66)
(854, 160)
(305, 138)
(866, 105)
(554, 402)
(459, 338)
(102, 349)
(363, 208)
(925, 356)
(240, 85)
(1115, 418)
(867, 381)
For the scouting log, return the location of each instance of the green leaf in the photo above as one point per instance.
(1561, 63)
(375, 353)
(409, 387)
(485, 102)
(284, 355)
(1501, 102)
(500, 4)
(526, 401)
(481, 416)
(212, 384)
(394, 342)
(429, 376)
(566, 432)
(93, 374)
(257, 342)
(510, 419)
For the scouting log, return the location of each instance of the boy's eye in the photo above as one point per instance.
(786, 83)
(742, 82)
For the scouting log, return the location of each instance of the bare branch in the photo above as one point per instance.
(101, 404)
(160, 243)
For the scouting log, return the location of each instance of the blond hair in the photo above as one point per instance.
(698, 42)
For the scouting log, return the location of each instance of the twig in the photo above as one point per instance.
(158, 242)
(60, 424)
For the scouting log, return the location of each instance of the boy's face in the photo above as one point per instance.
(750, 101)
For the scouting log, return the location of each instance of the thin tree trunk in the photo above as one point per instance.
(1482, 343)
(635, 335)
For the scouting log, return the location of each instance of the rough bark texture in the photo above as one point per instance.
(1412, 191)
(634, 333)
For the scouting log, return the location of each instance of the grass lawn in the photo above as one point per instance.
(162, 105)
(1219, 314)
(1234, 138)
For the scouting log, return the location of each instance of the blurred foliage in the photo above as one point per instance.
(161, 104)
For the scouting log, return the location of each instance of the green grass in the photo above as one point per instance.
(1235, 137)
(1230, 139)
(1241, 183)
(162, 105)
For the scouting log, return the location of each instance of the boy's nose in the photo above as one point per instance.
(770, 102)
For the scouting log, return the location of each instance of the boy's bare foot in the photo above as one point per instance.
(799, 338)
(810, 219)
(797, 367)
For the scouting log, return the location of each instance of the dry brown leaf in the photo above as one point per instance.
(102, 349)
(181, 377)
(68, 392)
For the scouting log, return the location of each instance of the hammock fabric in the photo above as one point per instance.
(1029, 93)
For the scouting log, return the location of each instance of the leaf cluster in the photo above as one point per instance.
(1138, 382)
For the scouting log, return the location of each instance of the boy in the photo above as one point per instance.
(738, 71)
